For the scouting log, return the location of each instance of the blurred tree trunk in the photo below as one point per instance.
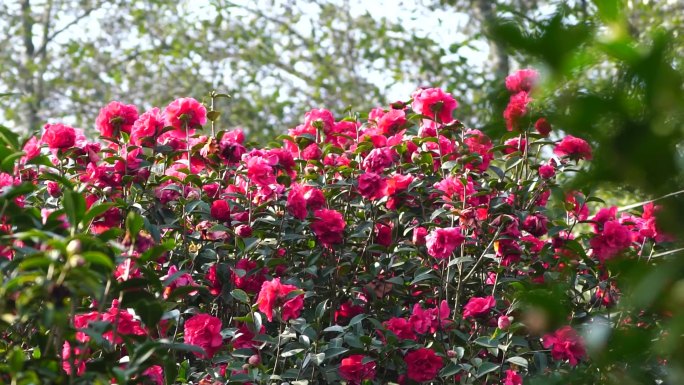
(500, 63)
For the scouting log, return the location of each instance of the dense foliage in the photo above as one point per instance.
(402, 247)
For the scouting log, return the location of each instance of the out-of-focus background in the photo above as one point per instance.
(62, 60)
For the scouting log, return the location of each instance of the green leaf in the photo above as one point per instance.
(134, 223)
(334, 352)
(98, 258)
(450, 370)
(240, 295)
(7, 164)
(517, 360)
(486, 367)
(74, 206)
(94, 211)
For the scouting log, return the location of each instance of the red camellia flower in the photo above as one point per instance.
(573, 148)
(401, 327)
(435, 104)
(512, 378)
(156, 374)
(372, 186)
(328, 226)
(516, 109)
(220, 210)
(441, 242)
(204, 330)
(185, 113)
(543, 127)
(423, 364)
(215, 284)
(116, 117)
(354, 371)
(59, 136)
(274, 294)
(478, 306)
(547, 171)
(148, 126)
(565, 344)
(347, 311)
(614, 238)
(250, 283)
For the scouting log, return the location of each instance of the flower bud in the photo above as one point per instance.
(504, 322)
(254, 360)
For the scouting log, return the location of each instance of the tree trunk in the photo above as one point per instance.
(500, 62)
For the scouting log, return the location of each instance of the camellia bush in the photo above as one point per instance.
(399, 248)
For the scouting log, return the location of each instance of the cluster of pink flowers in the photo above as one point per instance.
(398, 248)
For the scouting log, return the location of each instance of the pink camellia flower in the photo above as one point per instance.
(319, 118)
(419, 235)
(441, 242)
(147, 127)
(579, 210)
(512, 378)
(274, 294)
(220, 210)
(535, 224)
(311, 152)
(185, 114)
(296, 203)
(243, 231)
(516, 109)
(430, 320)
(260, 170)
(59, 136)
(204, 330)
(124, 322)
(614, 238)
(435, 104)
(391, 121)
(481, 144)
(522, 81)
(32, 149)
(565, 344)
(53, 189)
(573, 148)
(423, 364)
(184, 279)
(78, 363)
(314, 198)
(354, 371)
(478, 306)
(514, 145)
(115, 118)
(372, 186)
(379, 159)
(543, 127)
(328, 226)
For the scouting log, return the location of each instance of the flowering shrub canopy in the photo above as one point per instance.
(403, 247)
